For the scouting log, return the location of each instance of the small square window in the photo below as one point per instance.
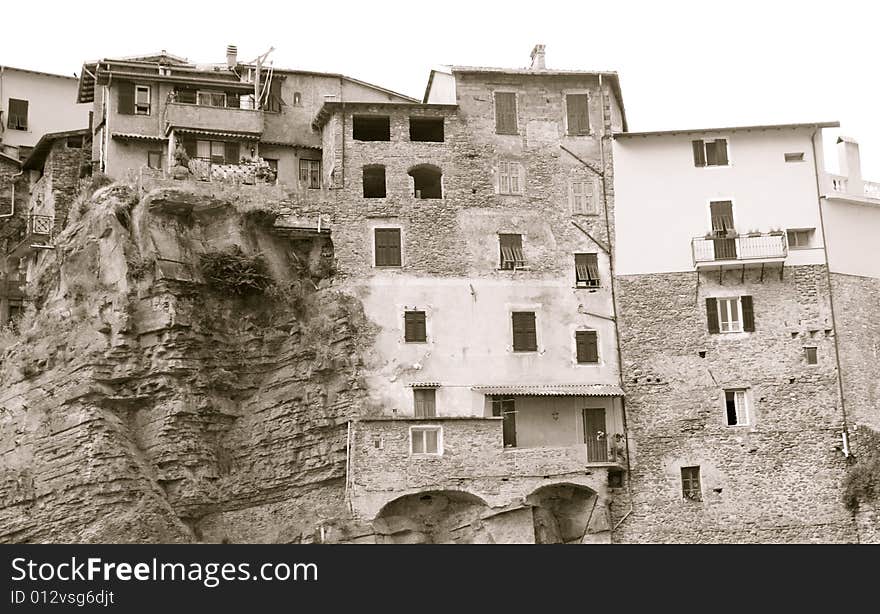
(414, 327)
(586, 268)
(511, 252)
(812, 356)
(424, 402)
(426, 440)
(797, 156)
(800, 238)
(690, 484)
(154, 159)
(736, 407)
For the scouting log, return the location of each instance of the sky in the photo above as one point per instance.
(682, 64)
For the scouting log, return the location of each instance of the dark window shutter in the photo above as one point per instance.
(524, 335)
(232, 100)
(18, 114)
(587, 346)
(578, 116)
(233, 149)
(190, 148)
(699, 153)
(187, 96)
(505, 112)
(387, 247)
(712, 315)
(414, 326)
(748, 314)
(126, 98)
(274, 102)
(721, 152)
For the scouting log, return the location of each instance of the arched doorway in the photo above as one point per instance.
(430, 517)
(562, 513)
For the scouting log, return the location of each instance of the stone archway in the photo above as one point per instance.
(568, 513)
(431, 517)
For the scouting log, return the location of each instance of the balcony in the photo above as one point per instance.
(37, 235)
(735, 251)
(839, 185)
(229, 120)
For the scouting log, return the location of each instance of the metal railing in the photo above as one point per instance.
(751, 246)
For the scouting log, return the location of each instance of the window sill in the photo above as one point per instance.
(587, 364)
(387, 266)
(524, 352)
(507, 133)
(425, 454)
(593, 288)
(415, 342)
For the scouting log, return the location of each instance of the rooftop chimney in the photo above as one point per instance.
(538, 57)
(850, 162)
(231, 56)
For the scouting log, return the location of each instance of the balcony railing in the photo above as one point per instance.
(865, 189)
(37, 235)
(216, 119)
(737, 248)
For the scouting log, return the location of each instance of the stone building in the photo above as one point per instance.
(742, 308)
(475, 227)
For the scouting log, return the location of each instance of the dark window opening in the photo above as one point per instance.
(426, 129)
(586, 270)
(505, 113)
(525, 338)
(414, 330)
(811, 355)
(505, 408)
(578, 115)
(18, 114)
(735, 406)
(297, 99)
(587, 343)
(511, 252)
(427, 182)
(74, 142)
(615, 479)
(154, 159)
(387, 246)
(690, 483)
(797, 156)
(371, 128)
(374, 182)
(187, 96)
(425, 402)
(310, 173)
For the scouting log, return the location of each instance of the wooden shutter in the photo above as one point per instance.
(748, 314)
(712, 315)
(232, 100)
(699, 153)
(578, 116)
(18, 114)
(232, 153)
(186, 96)
(387, 247)
(414, 326)
(125, 102)
(524, 335)
(587, 343)
(721, 152)
(273, 100)
(505, 112)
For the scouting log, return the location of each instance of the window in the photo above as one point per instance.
(505, 408)
(710, 153)
(797, 156)
(273, 165)
(425, 402)
(587, 343)
(187, 96)
(142, 100)
(690, 483)
(586, 267)
(426, 440)
(297, 99)
(74, 142)
(577, 114)
(427, 181)
(811, 354)
(374, 182)
(387, 246)
(511, 252)
(218, 152)
(310, 173)
(212, 99)
(730, 315)
(505, 113)
(371, 128)
(273, 101)
(414, 327)
(524, 332)
(582, 194)
(800, 238)
(509, 178)
(154, 159)
(721, 212)
(736, 406)
(426, 129)
(18, 114)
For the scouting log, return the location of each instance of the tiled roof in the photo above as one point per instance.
(554, 390)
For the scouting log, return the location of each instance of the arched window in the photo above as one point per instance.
(426, 181)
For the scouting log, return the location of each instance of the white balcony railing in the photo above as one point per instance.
(764, 246)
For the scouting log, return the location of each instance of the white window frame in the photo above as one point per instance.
(706, 158)
(810, 232)
(723, 305)
(741, 405)
(510, 173)
(148, 104)
(200, 93)
(413, 430)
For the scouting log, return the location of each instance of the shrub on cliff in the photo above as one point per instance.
(862, 481)
(235, 272)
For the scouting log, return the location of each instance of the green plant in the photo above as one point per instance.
(139, 266)
(235, 272)
(862, 482)
(181, 158)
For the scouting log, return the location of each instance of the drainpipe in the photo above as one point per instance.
(831, 298)
(12, 210)
(342, 100)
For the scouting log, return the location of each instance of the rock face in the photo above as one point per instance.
(140, 404)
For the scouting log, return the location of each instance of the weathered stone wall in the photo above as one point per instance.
(779, 478)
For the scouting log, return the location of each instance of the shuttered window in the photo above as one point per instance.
(414, 327)
(710, 153)
(586, 268)
(505, 113)
(525, 337)
(125, 100)
(721, 212)
(511, 251)
(387, 246)
(730, 314)
(187, 96)
(578, 115)
(425, 402)
(273, 98)
(18, 114)
(587, 343)
(509, 181)
(583, 194)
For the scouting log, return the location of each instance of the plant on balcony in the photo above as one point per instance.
(754, 233)
(617, 447)
(181, 163)
(775, 232)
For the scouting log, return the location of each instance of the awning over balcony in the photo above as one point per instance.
(130, 136)
(554, 390)
(240, 136)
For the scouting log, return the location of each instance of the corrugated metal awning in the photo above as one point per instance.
(137, 137)
(554, 390)
(244, 136)
(293, 145)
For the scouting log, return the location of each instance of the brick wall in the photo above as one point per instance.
(777, 479)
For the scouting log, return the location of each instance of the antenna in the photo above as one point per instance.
(259, 63)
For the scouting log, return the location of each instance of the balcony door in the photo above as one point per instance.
(505, 408)
(722, 229)
(595, 435)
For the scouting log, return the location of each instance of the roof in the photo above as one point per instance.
(252, 136)
(133, 136)
(620, 135)
(431, 81)
(12, 159)
(330, 106)
(553, 390)
(39, 72)
(41, 150)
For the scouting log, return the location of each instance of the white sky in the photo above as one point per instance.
(682, 64)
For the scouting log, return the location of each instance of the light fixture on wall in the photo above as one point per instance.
(555, 415)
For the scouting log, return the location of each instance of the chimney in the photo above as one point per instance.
(538, 57)
(231, 56)
(850, 162)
